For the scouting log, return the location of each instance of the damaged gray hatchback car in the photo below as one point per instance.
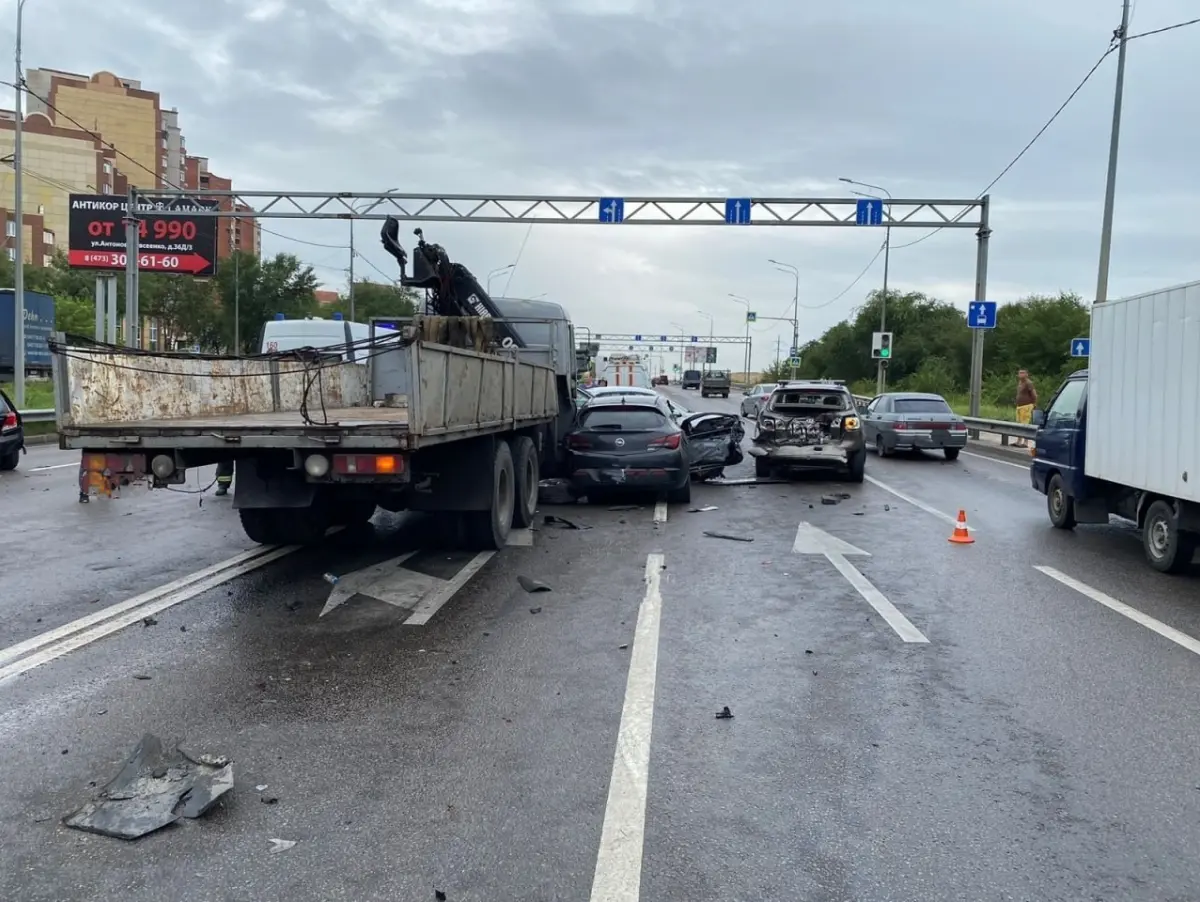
(810, 425)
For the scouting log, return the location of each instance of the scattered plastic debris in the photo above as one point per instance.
(702, 510)
(725, 714)
(532, 585)
(142, 676)
(149, 621)
(830, 499)
(535, 610)
(331, 578)
(281, 845)
(725, 535)
(154, 789)
(261, 787)
(551, 520)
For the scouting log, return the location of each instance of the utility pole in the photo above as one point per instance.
(881, 366)
(789, 268)
(133, 332)
(237, 304)
(352, 270)
(19, 236)
(1110, 186)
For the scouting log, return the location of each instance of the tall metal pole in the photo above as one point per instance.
(881, 370)
(352, 271)
(1110, 186)
(237, 304)
(133, 332)
(19, 236)
(981, 264)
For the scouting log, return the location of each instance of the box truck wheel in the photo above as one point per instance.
(1168, 548)
(526, 470)
(284, 525)
(1059, 505)
(488, 530)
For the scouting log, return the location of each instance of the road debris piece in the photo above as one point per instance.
(532, 585)
(268, 800)
(154, 789)
(702, 510)
(331, 578)
(439, 895)
(725, 714)
(623, 647)
(725, 535)
(551, 520)
(830, 499)
(749, 480)
(281, 845)
(142, 676)
(626, 507)
(149, 621)
(535, 610)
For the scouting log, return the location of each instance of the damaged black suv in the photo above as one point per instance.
(810, 425)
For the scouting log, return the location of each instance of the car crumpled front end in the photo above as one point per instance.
(714, 442)
(803, 438)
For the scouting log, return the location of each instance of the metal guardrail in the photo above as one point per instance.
(1005, 429)
(37, 416)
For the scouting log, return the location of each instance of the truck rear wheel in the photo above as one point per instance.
(527, 474)
(1168, 548)
(488, 530)
(284, 525)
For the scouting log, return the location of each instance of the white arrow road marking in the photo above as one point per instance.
(618, 876)
(434, 600)
(811, 540)
(382, 581)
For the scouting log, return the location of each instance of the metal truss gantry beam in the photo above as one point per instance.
(656, 340)
(915, 213)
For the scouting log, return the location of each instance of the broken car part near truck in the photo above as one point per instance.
(810, 426)
(455, 413)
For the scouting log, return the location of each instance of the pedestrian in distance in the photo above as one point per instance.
(1026, 401)
(224, 477)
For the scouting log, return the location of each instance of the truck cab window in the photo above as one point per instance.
(1064, 412)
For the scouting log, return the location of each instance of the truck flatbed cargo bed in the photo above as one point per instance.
(380, 419)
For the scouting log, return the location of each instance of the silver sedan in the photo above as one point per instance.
(754, 398)
(913, 421)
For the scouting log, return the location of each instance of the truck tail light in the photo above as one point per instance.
(368, 464)
(667, 441)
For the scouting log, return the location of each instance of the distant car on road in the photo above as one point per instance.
(754, 398)
(661, 379)
(913, 421)
(810, 425)
(716, 382)
(12, 434)
(691, 379)
(628, 442)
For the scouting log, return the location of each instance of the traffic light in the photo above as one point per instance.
(881, 345)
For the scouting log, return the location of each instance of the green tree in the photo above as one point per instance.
(253, 290)
(185, 308)
(377, 299)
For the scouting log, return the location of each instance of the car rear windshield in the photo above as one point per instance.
(718, 374)
(786, 400)
(624, 418)
(920, 405)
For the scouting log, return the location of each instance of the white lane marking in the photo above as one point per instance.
(813, 540)
(53, 467)
(76, 635)
(1180, 638)
(381, 581)
(433, 602)
(225, 570)
(660, 512)
(618, 876)
(995, 460)
(929, 509)
(520, 537)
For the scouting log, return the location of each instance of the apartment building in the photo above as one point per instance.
(55, 162)
(235, 232)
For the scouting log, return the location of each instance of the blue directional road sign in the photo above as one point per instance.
(737, 210)
(1081, 347)
(662, 338)
(612, 209)
(695, 338)
(869, 211)
(794, 352)
(637, 338)
(981, 314)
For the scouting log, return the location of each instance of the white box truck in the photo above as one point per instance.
(1122, 438)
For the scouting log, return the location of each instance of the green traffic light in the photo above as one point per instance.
(885, 352)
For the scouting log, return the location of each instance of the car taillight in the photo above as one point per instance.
(10, 420)
(900, 426)
(578, 442)
(958, 427)
(667, 441)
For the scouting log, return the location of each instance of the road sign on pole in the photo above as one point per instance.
(637, 338)
(1081, 347)
(612, 209)
(981, 314)
(869, 211)
(751, 316)
(695, 338)
(663, 339)
(793, 361)
(794, 351)
(737, 210)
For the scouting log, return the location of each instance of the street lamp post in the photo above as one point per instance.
(710, 334)
(787, 267)
(496, 272)
(19, 235)
(881, 368)
(682, 332)
(746, 351)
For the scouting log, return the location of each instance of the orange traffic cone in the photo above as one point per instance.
(962, 535)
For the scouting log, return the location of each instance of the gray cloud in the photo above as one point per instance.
(769, 97)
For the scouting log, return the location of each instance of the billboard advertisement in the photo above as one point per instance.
(171, 238)
(39, 327)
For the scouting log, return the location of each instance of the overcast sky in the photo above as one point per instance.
(927, 98)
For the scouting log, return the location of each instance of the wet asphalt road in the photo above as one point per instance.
(1040, 746)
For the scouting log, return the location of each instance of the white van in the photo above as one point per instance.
(281, 334)
(624, 369)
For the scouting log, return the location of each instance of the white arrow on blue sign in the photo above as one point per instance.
(637, 338)
(981, 314)
(1081, 347)
(662, 338)
(612, 209)
(737, 210)
(869, 211)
